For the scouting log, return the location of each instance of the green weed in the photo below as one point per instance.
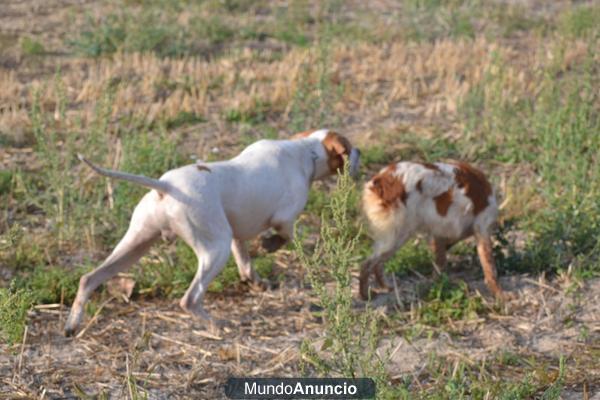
(317, 201)
(32, 47)
(513, 19)
(557, 134)
(14, 304)
(167, 275)
(183, 118)
(254, 115)
(6, 178)
(60, 199)
(462, 380)
(412, 256)
(449, 302)
(352, 337)
(146, 32)
(580, 22)
(376, 154)
(213, 29)
(431, 20)
(312, 103)
(49, 285)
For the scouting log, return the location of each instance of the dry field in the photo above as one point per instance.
(144, 86)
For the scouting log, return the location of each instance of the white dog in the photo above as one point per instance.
(215, 207)
(449, 202)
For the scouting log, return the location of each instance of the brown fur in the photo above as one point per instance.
(301, 135)
(439, 246)
(443, 202)
(336, 147)
(203, 168)
(392, 227)
(476, 186)
(484, 249)
(389, 188)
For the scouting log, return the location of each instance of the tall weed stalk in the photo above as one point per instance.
(350, 337)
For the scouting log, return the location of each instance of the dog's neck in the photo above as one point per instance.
(316, 164)
(314, 157)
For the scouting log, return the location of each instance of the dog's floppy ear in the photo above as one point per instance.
(336, 147)
(377, 186)
(389, 188)
(337, 144)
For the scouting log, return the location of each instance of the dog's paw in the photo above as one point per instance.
(273, 243)
(69, 331)
(504, 297)
(210, 323)
(260, 285)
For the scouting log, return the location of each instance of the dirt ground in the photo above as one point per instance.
(265, 335)
(173, 356)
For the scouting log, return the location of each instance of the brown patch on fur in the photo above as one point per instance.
(302, 135)
(336, 147)
(443, 202)
(389, 188)
(484, 250)
(203, 168)
(429, 166)
(477, 187)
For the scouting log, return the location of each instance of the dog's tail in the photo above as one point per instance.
(159, 186)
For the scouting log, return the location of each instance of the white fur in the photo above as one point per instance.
(215, 207)
(391, 227)
(420, 214)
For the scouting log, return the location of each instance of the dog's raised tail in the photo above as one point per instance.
(159, 186)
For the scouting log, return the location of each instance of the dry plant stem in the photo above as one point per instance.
(20, 364)
(94, 318)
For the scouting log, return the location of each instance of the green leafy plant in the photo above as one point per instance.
(349, 346)
(446, 302)
(14, 304)
(32, 47)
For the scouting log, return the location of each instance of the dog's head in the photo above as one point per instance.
(338, 150)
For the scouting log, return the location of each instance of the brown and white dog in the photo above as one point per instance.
(216, 207)
(447, 201)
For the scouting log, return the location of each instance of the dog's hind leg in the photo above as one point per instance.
(484, 250)
(439, 247)
(141, 234)
(212, 251)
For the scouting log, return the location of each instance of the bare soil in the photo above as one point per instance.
(155, 342)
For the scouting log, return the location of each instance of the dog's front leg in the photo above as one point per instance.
(374, 265)
(244, 264)
(285, 234)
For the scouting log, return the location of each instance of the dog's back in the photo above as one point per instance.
(448, 201)
(440, 199)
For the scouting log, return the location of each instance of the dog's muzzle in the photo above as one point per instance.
(354, 160)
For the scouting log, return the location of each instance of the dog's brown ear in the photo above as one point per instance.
(337, 144)
(336, 147)
(377, 186)
(389, 188)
